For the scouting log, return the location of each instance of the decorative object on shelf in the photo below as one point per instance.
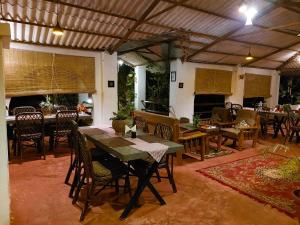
(180, 85)
(242, 76)
(173, 76)
(132, 130)
(46, 107)
(119, 122)
(111, 83)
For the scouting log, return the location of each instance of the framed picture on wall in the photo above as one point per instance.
(111, 83)
(180, 85)
(173, 76)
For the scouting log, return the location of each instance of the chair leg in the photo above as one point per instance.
(157, 175)
(71, 168)
(51, 142)
(171, 179)
(89, 194)
(79, 186)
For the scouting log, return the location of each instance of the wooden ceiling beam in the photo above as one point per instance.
(227, 17)
(228, 34)
(137, 23)
(66, 29)
(272, 53)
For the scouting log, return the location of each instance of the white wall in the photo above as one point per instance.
(139, 86)
(182, 99)
(105, 99)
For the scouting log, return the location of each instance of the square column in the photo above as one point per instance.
(139, 86)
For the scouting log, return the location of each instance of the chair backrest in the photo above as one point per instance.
(22, 109)
(74, 136)
(153, 119)
(228, 105)
(85, 155)
(140, 123)
(163, 131)
(184, 120)
(60, 108)
(223, 114)
(30, 123)
(250, 116)
(64, 118)
(293, 118)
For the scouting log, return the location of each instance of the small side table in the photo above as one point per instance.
(211, 131)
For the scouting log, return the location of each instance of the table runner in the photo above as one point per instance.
(92, 131)
(156, 150)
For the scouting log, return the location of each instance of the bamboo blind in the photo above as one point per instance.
(257, 86)
(210, 81)
(31, 73)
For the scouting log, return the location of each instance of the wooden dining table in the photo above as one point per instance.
(123, 148)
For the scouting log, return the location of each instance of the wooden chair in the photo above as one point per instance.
(140, 123)
(242, 133)
(267, 120)
(60, 108)
(62, 127)
(22, 109)
(97, 174)
(164, 131)
(293, 126)
(220, 117)
(29, 127)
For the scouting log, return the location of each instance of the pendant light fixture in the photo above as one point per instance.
(57, 30)
(249, 56)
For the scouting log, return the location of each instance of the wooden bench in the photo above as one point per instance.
(152, 119)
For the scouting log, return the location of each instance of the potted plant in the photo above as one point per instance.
(46, 107)
(119, 121)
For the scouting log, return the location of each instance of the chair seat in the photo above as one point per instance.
(231, 132)
(101, 171)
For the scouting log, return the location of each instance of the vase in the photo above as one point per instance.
(296, 195)
(119, 126)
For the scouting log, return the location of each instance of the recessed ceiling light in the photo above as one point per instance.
(249, 12)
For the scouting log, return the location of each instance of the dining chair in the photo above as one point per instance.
(60, 108)
(293, 126)
(267, 120)
(22, 109)
(62, 127)
(29, 127)
(97, 174)
(164, 131)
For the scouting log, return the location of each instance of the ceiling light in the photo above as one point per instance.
(249, 12)
(120, 62)
(249, 56)
(57, 30)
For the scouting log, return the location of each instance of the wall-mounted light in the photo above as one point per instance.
(120, 62)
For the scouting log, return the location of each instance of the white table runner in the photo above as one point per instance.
(156, 150)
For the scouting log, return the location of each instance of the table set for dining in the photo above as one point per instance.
(130, 150)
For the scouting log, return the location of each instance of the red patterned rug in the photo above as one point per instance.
(247, 176)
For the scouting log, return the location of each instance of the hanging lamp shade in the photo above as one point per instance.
(249, 56)
(57, 30)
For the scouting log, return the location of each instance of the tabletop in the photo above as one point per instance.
(121, 147)
(47, 118)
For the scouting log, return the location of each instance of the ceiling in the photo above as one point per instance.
(143, 31)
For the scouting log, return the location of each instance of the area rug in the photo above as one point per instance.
(247, 177)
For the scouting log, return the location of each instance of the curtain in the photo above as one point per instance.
(211, 81)
(257, 86)
(34, 73)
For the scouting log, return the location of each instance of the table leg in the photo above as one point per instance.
(144, 180)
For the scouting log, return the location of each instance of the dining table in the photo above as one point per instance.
(130, 150)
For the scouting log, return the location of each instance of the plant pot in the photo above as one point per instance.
(296, 195)
(119, 126)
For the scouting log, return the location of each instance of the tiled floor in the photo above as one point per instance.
(40, 197)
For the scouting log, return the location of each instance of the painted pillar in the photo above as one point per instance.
(237, 86)
(139, 86)
(109, 94)
(4, 176)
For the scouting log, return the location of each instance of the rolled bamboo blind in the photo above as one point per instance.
(32, 73)
(257, 86)
(210, 81)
